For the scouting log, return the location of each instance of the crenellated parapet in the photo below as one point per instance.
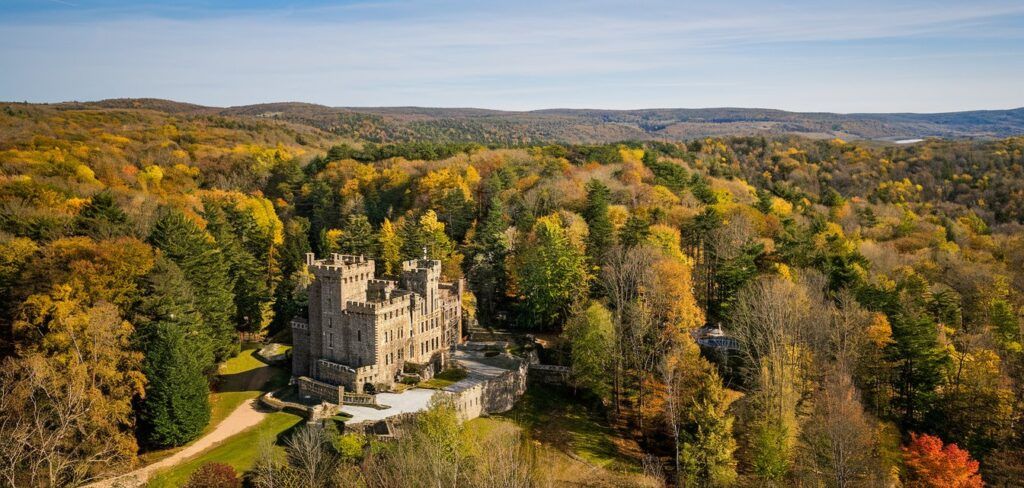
(299, 323)
(343, 265)
(378, 306)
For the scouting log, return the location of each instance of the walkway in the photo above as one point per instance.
(246, 415)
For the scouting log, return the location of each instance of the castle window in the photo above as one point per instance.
(359, 335)
(330, 340)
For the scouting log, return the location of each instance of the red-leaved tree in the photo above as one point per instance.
(930, 464)
(214, 475)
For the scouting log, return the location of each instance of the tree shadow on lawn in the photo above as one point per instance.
(555, 417)
(261, 378)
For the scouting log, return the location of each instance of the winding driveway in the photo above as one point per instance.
(245, 416)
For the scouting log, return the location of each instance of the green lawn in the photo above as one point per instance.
(239, 451)
(554, 417)
(240, 379)
(443, 379)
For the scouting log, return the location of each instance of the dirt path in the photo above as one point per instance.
(246, 415)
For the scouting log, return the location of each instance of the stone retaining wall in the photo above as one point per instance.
(494, 395)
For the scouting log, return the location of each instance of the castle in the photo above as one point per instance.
(363, 333)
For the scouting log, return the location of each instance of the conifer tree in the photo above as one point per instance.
(635, 230)
(708, 446)
(357, 237)
(601, 236)
(176, 407)
(488, 250)
(202, 263)
(102, 218)
(251, 291)
(289, 295)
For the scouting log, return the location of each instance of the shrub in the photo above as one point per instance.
(214, 475)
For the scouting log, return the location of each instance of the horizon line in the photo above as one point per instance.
(546, 109)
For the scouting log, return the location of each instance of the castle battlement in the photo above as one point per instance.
(421, 265)
(377, 306)
(381, 284)
(300, 323)
(344, 263)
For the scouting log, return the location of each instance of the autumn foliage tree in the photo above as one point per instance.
(930, 464)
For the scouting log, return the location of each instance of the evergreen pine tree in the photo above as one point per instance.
(488, 250)
(358, 237)
(202, 263)
(289, 297)
(635, 230)
(176, 407)
(601, 236)
(251, 291)
(102, 218)
(412, 239)
(707, 452)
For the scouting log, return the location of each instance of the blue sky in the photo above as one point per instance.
(876, 56)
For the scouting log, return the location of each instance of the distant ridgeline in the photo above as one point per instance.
(403, 124)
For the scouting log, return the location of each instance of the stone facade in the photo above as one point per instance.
(362, 330)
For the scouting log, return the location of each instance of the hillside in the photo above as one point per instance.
(398, 124)
(874, 292)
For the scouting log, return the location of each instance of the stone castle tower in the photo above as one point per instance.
(362, 333)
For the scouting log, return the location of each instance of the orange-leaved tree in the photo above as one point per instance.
(929, 463)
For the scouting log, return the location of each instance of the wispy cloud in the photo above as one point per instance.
(802, 55)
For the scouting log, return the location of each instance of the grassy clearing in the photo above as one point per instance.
(239, 379)
(445, 378)
(553, 417)
(239, 451)
(554, 466)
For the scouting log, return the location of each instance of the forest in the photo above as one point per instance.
(874, 292)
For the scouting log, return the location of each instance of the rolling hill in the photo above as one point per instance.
(395, 124)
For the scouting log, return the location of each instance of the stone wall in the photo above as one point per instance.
(494, 395)
(308, 387)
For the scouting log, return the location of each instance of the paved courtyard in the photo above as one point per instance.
(412, 400)
(479, 368)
